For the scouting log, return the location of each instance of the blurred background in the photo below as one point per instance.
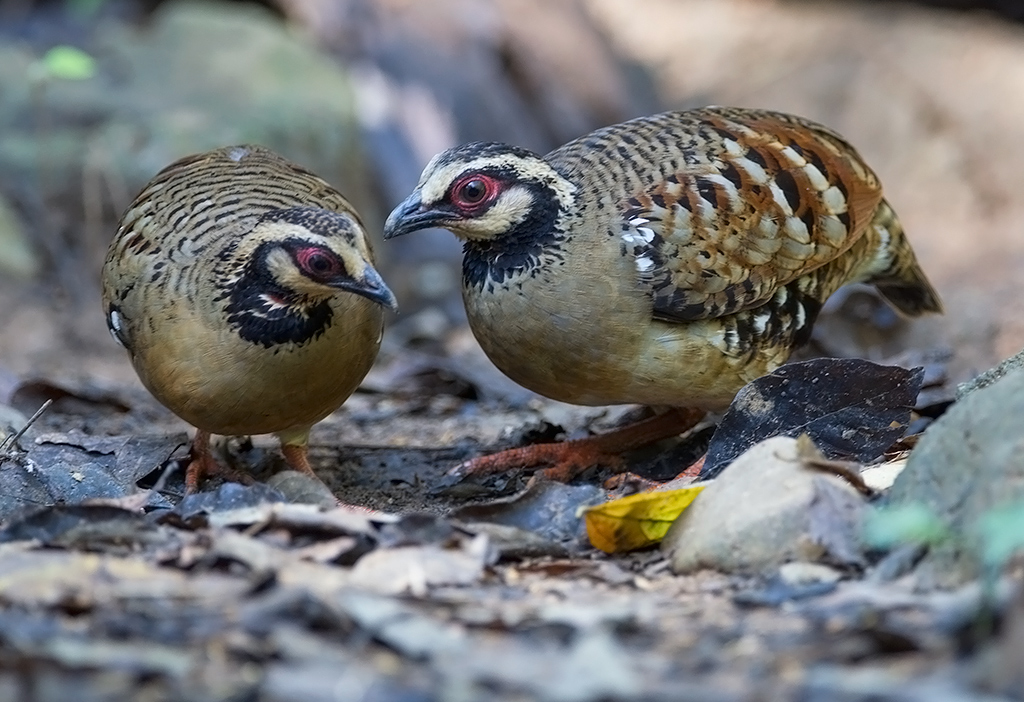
(97, 95)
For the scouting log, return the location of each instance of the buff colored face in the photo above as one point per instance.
(477, 199)
(317, 266)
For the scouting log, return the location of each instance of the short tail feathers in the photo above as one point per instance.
(912, 299)
(894, 269)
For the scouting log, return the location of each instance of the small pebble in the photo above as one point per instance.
(806, 573)
(299, 488)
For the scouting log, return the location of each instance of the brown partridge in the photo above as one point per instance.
(665, 261)
(243, 288)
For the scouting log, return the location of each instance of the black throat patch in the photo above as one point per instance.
(519, 250)
(264, 313)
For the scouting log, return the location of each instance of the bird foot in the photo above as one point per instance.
(297, 458)
(567, 459)
(204, 465)
(694, 469)
(629, 483)
(633, 483)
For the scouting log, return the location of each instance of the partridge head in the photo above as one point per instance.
(244, 290)
(665, 261)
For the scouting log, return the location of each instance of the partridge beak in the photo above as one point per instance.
(411, 216)
(371, 286)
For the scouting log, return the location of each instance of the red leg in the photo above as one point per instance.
(203, 464)
(693, 471)
(297, 459)
(569, 458)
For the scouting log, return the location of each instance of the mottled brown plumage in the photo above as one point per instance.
(243, 288)
(667, 260)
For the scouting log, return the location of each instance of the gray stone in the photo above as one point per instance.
(803, 573)
(990, 376)
(753, 517)
(302, 489)
(968, 462)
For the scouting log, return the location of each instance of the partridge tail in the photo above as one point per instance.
(894, 269)
(912, 296)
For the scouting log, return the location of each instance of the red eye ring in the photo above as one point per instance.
(318, 262)
(473, 190)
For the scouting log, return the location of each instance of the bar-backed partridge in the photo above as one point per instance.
(665, 261)
(243, 288)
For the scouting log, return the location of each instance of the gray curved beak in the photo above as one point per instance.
(371, 286)
(411, 216)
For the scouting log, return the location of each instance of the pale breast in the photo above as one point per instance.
(201, 373)
(164, 292)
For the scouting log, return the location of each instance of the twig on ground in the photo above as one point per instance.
(7, 444)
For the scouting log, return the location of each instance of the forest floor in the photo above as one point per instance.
(238, 594)
(113, 585)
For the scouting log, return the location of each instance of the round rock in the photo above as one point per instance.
(969, 461)
(753, 517)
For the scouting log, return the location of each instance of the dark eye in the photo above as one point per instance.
(318, 262)
(473, 190)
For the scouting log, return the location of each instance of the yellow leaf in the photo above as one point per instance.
(636, 521)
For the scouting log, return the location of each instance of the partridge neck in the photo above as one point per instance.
(519, 250)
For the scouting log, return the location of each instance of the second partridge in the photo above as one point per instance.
(243, 287)
(664, 261)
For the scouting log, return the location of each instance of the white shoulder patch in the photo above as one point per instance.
(640, 234)
(116, 326)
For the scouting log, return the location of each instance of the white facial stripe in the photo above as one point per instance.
(355, 264)
(280, 265)
(286, 273)
(286, 230)
(511, 207)
(435, 181)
